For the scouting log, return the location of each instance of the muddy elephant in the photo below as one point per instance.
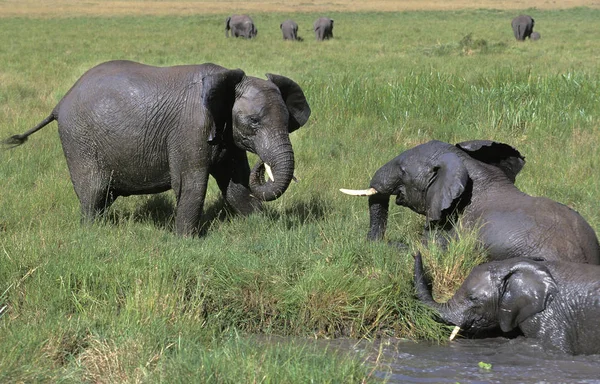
(240, 26)
(535, 36)
(127, 129)
(289, 29)
(552, 301)
(522, 27)
(473, 183)
(323, 28)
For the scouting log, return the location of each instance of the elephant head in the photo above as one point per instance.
(435, 179)
(496, 294)
(262, 115)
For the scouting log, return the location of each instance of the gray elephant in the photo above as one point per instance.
(289, 29)
(554, 302)
(241, 26)
(535, 36)
(474, 181)
(323, 28)
(522, 27)
(127, 128)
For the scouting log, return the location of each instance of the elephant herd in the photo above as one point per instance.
(243, 26)
(127, 129)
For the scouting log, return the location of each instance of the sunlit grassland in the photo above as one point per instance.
(126, 300)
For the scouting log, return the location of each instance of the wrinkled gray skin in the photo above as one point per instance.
(474, 181)
(555, 302)
(323, 28)
(535, 36)
(128, 129)
(522, 27)
(289, 29)
(240, 26)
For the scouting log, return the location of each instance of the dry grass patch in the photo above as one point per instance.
(70, 8)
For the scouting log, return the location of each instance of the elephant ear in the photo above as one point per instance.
(501, 155)
(526, 289)
(218, 96)
(449, 180)
(294, 100)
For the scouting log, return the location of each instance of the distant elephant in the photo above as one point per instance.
(555, 302)
(289, 29)
(323, 28)
(474, 181)
(127, 129)
(241, 26)
(522, 27)
(535, 36)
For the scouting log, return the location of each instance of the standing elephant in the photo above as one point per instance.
(241, 26)
(552, 301)
(323, 28)
(289, 29)
(474, 181)
(535, 36)
(127, 129)
(522, 27)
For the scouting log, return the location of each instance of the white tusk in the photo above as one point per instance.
(454, 332)
(359, 192)
(269, 172)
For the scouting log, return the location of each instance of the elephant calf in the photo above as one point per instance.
(127, 129)
(474, 181)
(240, 26)
(323, 28)
(522, 27)
(557, 303)
(289, 29)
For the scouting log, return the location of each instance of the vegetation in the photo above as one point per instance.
(127, 301)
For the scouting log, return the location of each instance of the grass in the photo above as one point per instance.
(128, 301)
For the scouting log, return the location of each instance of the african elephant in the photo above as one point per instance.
(127, 129)
(241, 26)
(535, 36)
(555, 302)
(474, 181)
(323, 28)
(289, 29)
(522, 27)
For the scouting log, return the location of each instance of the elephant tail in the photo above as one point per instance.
(16, 140)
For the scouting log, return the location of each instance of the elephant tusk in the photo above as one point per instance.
(359, 192)
(269, 172)
(454, 332)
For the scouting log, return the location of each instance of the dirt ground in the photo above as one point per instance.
(70, 8)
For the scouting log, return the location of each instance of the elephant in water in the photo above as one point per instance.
(554, 302)
(323, 28)
(522, 27)
(473, 182)
(289, 29)
(241, 26)
(127, 129)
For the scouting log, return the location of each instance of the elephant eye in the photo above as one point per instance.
(254, 121)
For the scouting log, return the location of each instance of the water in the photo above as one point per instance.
(513, 361)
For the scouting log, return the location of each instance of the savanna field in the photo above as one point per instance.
(126, 300)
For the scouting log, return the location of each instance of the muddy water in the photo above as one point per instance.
(512, 361)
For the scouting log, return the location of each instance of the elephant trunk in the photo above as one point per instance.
(378, 215)
(423, 291)
(279, 158)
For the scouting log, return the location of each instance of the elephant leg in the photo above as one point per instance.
(92, 187)
(190, 188)
(232, 176)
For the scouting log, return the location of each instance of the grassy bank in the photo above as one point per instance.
(126, 300)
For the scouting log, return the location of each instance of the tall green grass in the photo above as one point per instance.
(126, 300)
